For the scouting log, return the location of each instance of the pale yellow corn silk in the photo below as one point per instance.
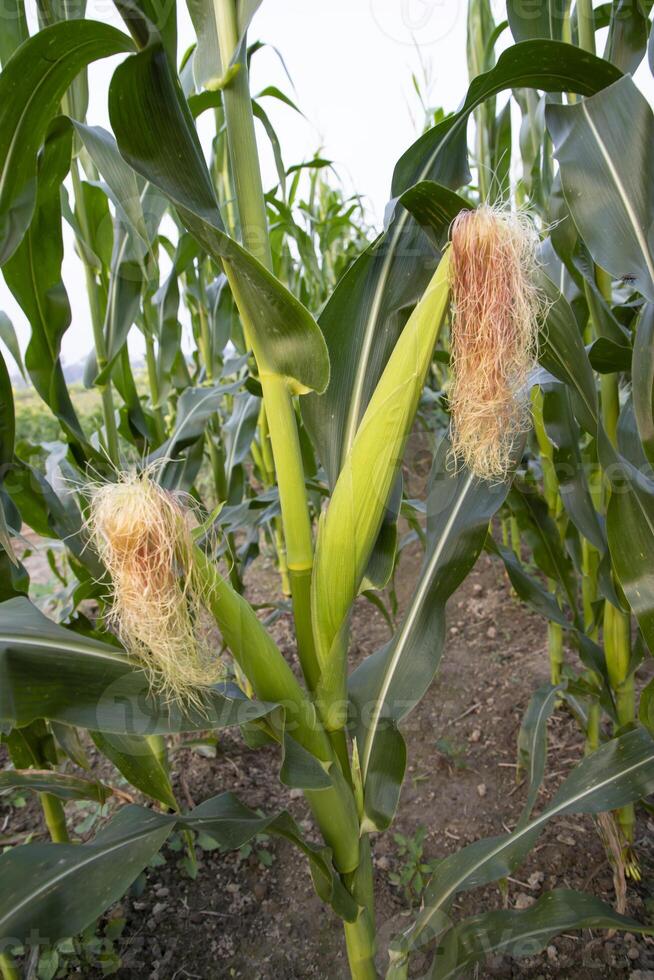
(496, 307)
(143, 534)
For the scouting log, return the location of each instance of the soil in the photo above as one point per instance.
(256, 916)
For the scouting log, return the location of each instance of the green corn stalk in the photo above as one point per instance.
(8, 968)
(617, 623)
(277, 396)
(553, 499)
(273, 680)
(335, 809)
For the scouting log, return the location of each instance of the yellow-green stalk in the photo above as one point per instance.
(268, 472)
(617, 623)
(335, 809)
(277, 396)
(555, 507)
(55, 818)
(8, 968)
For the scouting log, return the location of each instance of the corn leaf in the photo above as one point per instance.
(51, 672)
(604, 145)
(156, 135)
(524, 932)
(14, 31)
(140, 762)
(33, 274)
(60, 888)
(532, 742)
(618, 773)
(543, 18)
(441, 153)
(60, 784)
(388, 684)
(642, 378)
(10, 340)
(31, 88)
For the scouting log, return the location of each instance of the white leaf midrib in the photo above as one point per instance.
(409, 623)
(617, 180)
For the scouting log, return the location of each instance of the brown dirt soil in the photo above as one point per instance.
(243, 919)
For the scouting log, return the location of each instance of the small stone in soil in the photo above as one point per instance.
(475, 735)
(481, 789)
(524, 901)
(491, 632)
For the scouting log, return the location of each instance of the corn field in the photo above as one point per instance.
(217, 529)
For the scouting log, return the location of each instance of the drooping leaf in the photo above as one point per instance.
(440, 154)
(31, 88)
(617, 773)
(10, 340)
(34, 276)
(156, 135)
(62, 888)
(388, 684)
(60, 784)
(139, 761)
(626, 43)
(51, 672)
(524, 932)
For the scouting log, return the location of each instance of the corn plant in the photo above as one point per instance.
(562, 506)
(449, 272)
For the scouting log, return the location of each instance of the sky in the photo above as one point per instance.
(351, 64)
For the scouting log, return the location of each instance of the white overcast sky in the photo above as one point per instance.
(351, 63)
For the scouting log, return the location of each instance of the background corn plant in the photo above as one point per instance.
(302, 329)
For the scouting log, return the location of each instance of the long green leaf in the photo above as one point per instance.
(618, 773)
(388, 684)
(33, 274)
(58, 889)
(156, 135)
(59, 784)
(31, 88)
(524, 932)
(47, 671)
(604, 145)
